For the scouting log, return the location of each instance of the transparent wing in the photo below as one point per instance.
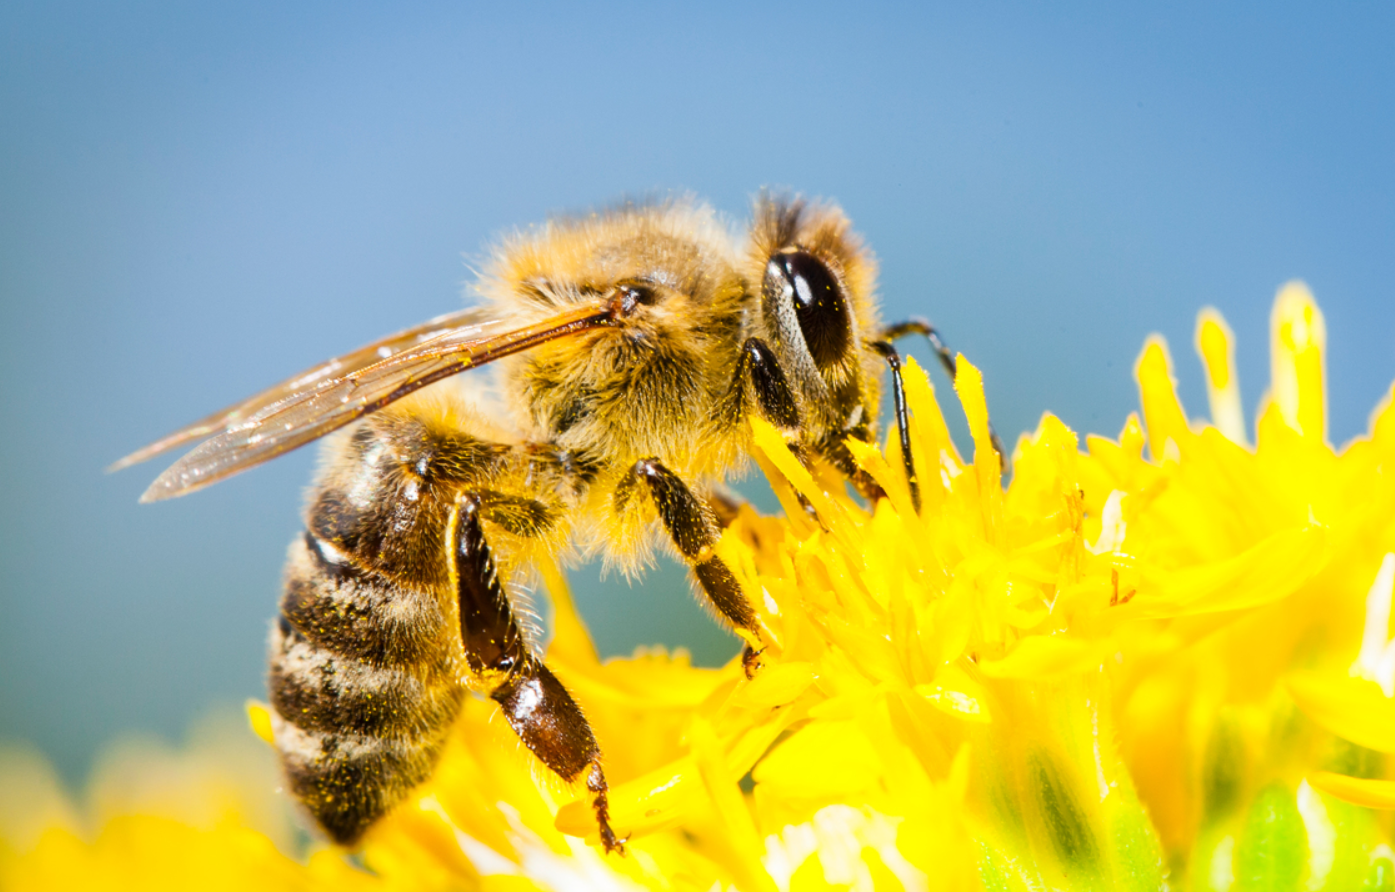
(288, 416)
(337, 367)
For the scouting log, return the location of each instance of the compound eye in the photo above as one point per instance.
(819, 305)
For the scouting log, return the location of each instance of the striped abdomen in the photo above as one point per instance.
(362, 687)
(393, 603)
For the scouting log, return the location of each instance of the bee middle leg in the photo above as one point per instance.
(538, 708)
(693, 528)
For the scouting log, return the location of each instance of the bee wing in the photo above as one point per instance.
(324, 399)
(337, 367)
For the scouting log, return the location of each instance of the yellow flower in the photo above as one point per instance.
(1158, 661)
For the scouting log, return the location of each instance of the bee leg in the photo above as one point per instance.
(917, 325)
(694, 531)
(951, 366)
(550, 723)
(774, 400)
(538, 708)
(840, 457)
(898, 393)
(725, 507)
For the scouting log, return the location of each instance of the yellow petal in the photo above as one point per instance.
(642, 805)
(667, 794)
(870, 459)
(772, 444)
(1298, 341)
(1037, 656)
(824, 759)
(955, 703)
(968, 383)
(1356, 790)
(744, 845)
(1162, 411)
(925, 409)
(1353, 708)
(570, 638)
(1265, 573)
(1213, 343)
(260, 720)
(776, 685)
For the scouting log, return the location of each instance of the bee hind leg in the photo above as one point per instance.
(550, 723)
(693, 527)
(537, 706)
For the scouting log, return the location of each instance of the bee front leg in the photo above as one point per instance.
(774, 399)
(538, 708)
(758, 372)
(694, 530)
(947, 360)
(898, 394)
(932, 335)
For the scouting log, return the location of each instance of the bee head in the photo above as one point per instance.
(816, 308)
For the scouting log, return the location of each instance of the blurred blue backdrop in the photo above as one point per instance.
(197, 199)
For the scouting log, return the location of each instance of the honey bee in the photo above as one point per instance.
(631, 347)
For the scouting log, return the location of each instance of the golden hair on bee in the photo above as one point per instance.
(631, 347)
(647, 385)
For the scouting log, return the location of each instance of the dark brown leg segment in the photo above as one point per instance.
(942, 352)
(774, 400)
(773, 397)
(898, 394)
(536, 705)
(694, 531)
(923, 327)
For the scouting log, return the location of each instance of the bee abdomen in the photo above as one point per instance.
(348, 781)
(359, 614)
(363, 687)
(320, 690)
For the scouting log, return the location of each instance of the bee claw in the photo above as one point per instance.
(612, 843)
(750, 661)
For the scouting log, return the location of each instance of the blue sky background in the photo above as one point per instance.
(198, 199)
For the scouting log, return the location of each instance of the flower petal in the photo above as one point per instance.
(1214, 344)
(1265, 573)
(1356, 790)
(1043, 655)
(1353, 708)
(1298, 343)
